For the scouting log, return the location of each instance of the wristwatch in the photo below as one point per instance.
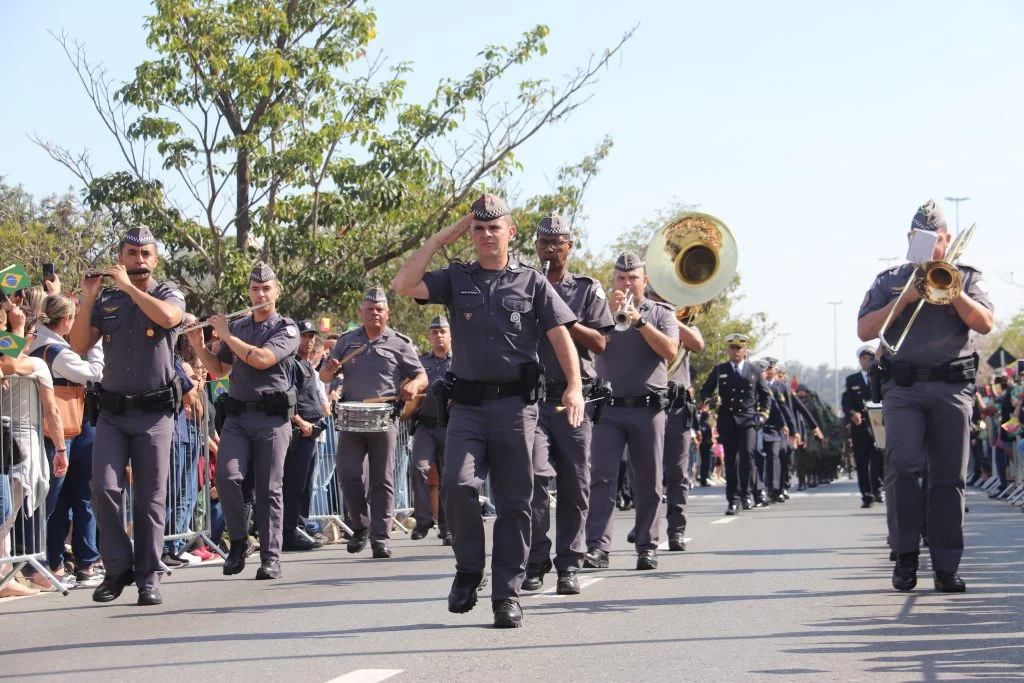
(640, 323)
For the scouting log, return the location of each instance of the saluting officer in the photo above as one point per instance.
(138, 322)
(744, 408)
(635, 361)
(377, 371)
(498, 310)
(866, 455)
(428, 442)
(561, 450)
(257, 350)
(927, 396)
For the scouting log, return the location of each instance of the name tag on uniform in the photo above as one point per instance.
(724, 375)
(110, 317)
(468, 292)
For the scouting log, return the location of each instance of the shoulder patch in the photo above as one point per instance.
(290, 330)
(403, 337)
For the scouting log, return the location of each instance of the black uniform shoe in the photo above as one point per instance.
(777, 497)
(535, 576)
(731, 510)
(631, 536)
(892, 555)
(879, 496)
(746, 504)
(568, 584)
(462, 597)
(785, 494)
(357, 543)
(676, 543)
(866, 503)
(949, 582)
(382, 551)
(596, 559)
(762, 499)
(446, 539)
(420, 531)
(647, 559)
(300, 544)
(235, 561)
(150, 596)
(271, 569)
(904, 574)
(507, 613)
(112, 586)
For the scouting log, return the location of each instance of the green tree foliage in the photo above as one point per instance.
(268, 130)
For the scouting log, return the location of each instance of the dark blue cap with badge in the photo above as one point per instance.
(261, 272)
(439, 322)
(306, 327)
(139, 237)
(376, 295)
(928, 217)
(628, 261)
(489, 207)
(553, 226)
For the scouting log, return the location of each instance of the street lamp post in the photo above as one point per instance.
(956, 201)
(783, 335)
(835, 351)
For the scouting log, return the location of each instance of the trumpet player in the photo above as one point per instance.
(635, 361)
(257, 351)
(561, 450)
(927, 393)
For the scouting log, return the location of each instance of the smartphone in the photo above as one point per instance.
(1020, 367)
(48, 270)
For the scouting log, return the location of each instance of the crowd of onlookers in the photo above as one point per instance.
(997, 446)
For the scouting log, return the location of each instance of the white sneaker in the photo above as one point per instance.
(188, 558)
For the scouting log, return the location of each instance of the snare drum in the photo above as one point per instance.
(353, 416)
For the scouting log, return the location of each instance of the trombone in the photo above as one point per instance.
(938, 282)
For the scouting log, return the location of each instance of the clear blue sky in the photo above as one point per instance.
(813, 129)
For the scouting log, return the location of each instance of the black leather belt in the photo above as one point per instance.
(554, 390)
(648, 401)
(471, 393)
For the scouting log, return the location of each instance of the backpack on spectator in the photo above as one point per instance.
(70, 397)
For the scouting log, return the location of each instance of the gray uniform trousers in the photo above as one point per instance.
(260, 441)
(676, 462)
(562, 452)
(643, 430)
(496, 438)
(370, 502)
(427, 449)
(144, 441)
(926, 429)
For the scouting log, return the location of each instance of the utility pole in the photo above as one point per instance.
(835, 351)
(783, 335)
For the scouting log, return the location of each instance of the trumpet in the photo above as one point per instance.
(621, 317)
(229, 316)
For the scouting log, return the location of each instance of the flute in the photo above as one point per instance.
(130, 271)
(229, 316)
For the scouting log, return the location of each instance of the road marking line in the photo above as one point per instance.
(725, 520)
(366, 676)
(550, 592)
(664, 544)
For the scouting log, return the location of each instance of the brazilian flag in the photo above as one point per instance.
(11, 344)
(13, 278)
(218, 387)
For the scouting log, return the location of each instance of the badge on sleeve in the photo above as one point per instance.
(599, 291)
(289, 330)
(515, 317)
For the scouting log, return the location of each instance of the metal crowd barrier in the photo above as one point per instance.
(23, 529)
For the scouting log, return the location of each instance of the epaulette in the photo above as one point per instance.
(968, 266)
(403, 337)
(664, 305)
(893, 271)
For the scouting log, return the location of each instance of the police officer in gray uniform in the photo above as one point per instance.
(257, 350)
(138, 322)
(428, 442)
(927, 395)
(376, 371)
(635, 362)
(498, 310)
(561, 451)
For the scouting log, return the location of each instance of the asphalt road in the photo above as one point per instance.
(795, 592)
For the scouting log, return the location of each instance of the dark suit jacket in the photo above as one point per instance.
(744, 395)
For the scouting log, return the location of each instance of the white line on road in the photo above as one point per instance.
(366, 676)
(725, 520)
(664, 544)
(550, 592)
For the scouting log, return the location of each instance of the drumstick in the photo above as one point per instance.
(348, 357)
(386, 399)
(562, 409)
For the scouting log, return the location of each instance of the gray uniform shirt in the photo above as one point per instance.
(938, 335)
(277, 333)
(139, 353)
(629, 362)
(585, 298)
(497, 317)
(435, 367)
(378, 370)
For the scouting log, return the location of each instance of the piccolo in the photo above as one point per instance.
(130, 271)
(229, 316)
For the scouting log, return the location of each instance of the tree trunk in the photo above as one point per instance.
(242, 178)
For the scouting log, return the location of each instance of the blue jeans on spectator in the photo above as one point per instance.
(5, 498)
(182, 493)
(216, 522)
(69, 504)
